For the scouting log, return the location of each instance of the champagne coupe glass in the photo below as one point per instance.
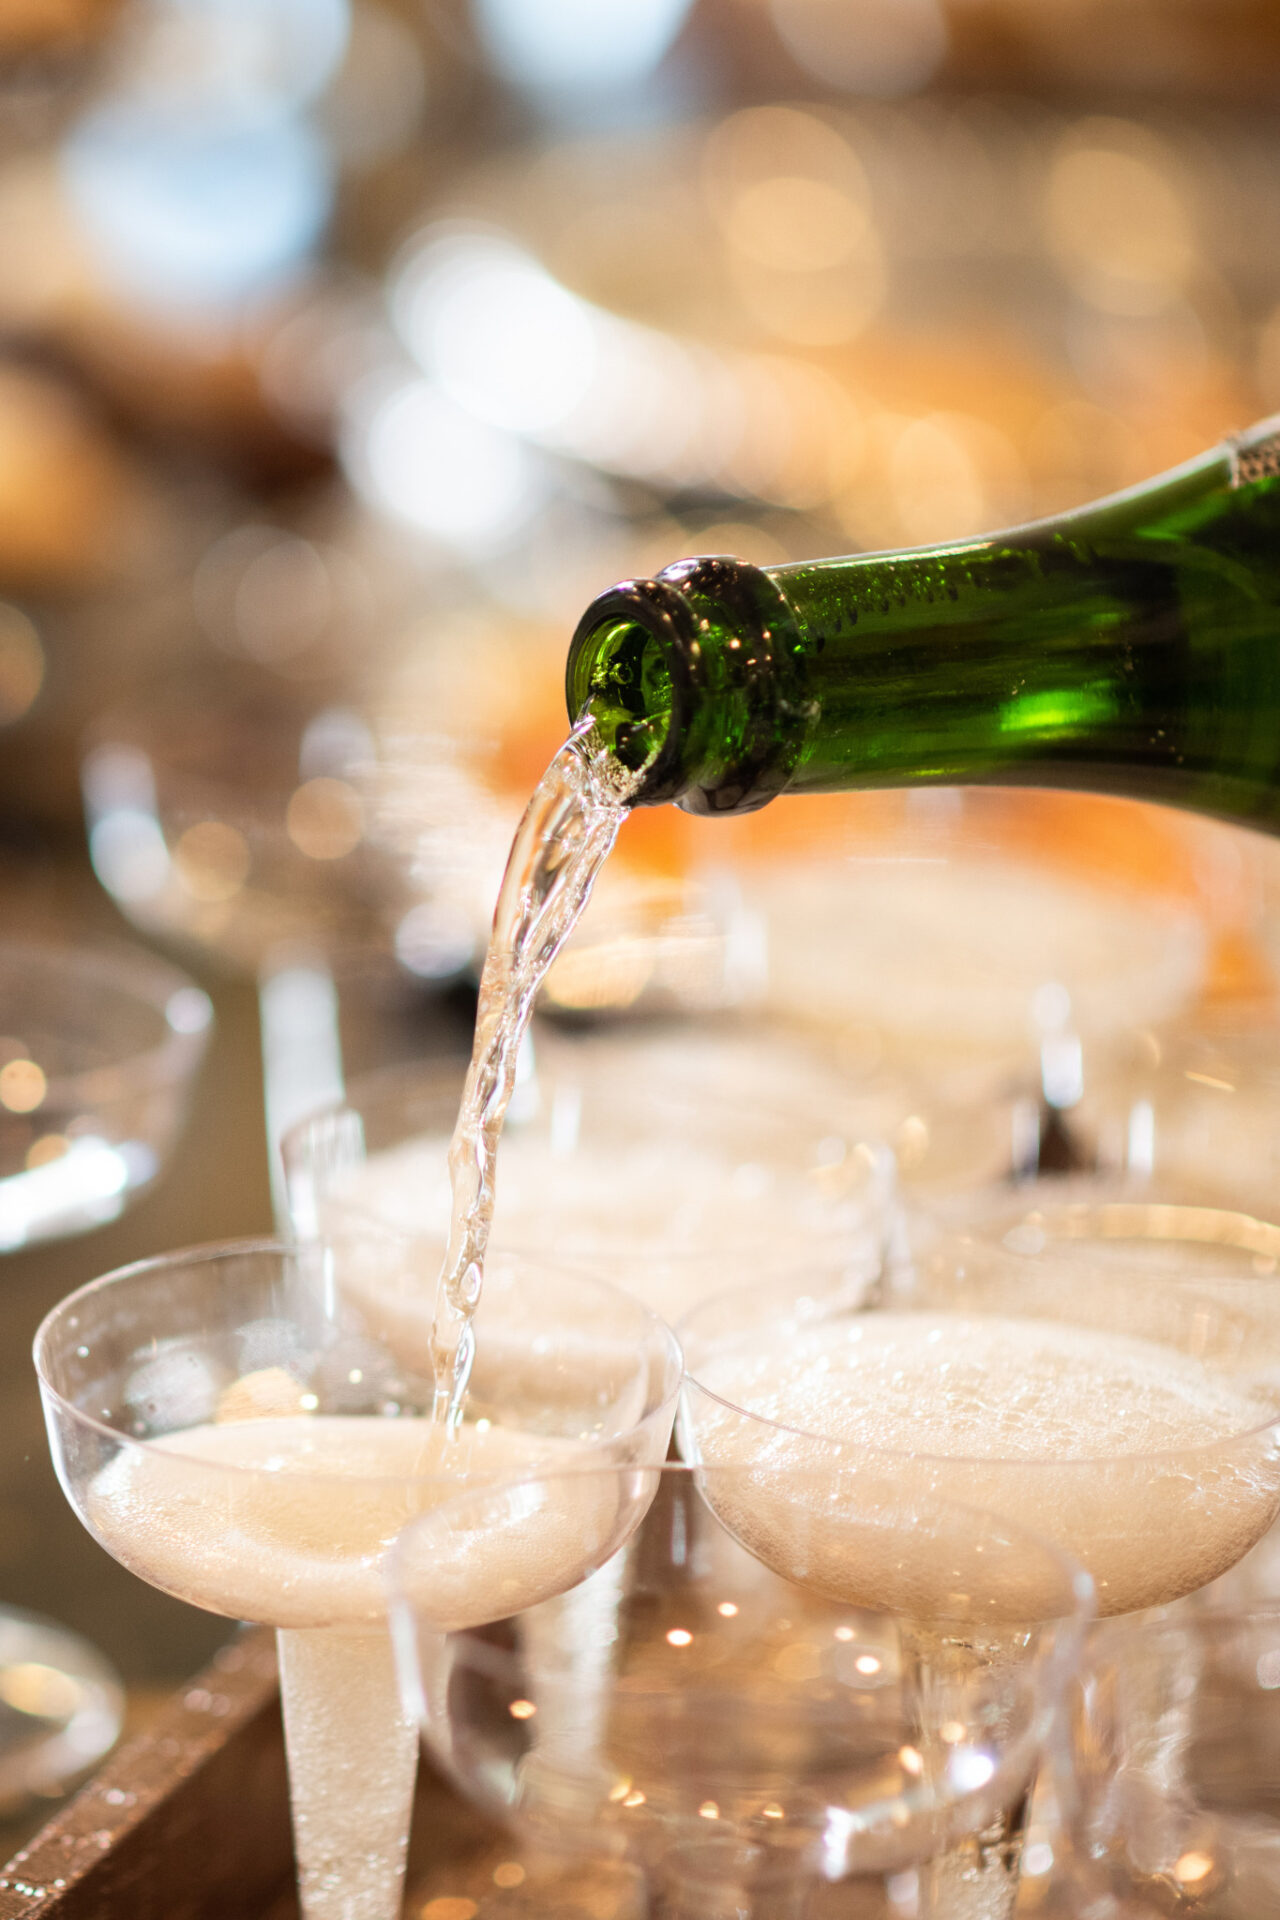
(224, 814)
(1121, 1228)
(225, 1423)
(732, 1713)
(1138, 1238)
(675, 1161)
(99, 1049)
(1195, 1105)
(233, 814)
(1168, 1764)
(943, 938)
(970, 961)
(1132, 1414)
(1191, 1100)
(100, 1046)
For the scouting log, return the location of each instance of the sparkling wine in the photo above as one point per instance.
(561, 844)
(286, 1520)
(669, 1211)
(1155, 1472)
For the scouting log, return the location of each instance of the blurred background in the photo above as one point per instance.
(348, 347)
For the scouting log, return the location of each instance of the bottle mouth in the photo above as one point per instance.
(683, 675)
(628, 668)
(625, 683)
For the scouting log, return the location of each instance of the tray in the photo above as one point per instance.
(189, 1820)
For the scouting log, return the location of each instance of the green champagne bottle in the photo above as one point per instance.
(1131, 647)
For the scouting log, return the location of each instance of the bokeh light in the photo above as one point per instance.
(573, 46)
(279, 598)
(792, 202)
(523, 354)
(22, 1085)
(126, 843)
(1117, 218)
(501, 336)
(325, 818)
(199, 180)
(953, 475)
(212, 860)
(197, 216)
(22, 663)
(417, 455)
(248, 53)
(878, 47)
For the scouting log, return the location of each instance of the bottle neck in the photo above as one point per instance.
(1117, 648)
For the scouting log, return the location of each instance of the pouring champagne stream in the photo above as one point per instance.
(562, 842)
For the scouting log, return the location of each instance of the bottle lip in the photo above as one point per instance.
(661, 611)
(728, 645)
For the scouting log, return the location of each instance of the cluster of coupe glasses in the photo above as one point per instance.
(830, 1530)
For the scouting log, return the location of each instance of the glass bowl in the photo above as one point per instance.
(99, 1049)
(676, 1160)
(1120, 1225)
(63, 1708)
(1128, 1406)
(225, 814)
(1121, 1234)
(727, 1684)
(972, 963)
(1193, 1104)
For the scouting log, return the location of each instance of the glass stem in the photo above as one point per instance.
(353, 1759)
(977, 1876)
(1160, 1706)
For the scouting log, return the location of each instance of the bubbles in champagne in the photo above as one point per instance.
(987, 1387)
(1156, 1473)
(286, 1521)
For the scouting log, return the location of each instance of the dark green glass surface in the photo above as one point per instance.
(1132, 647)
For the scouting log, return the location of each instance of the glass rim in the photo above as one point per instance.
(208, 1253)
(377, 1083)
(301, 1150)
(859, 1249)
(140, 976)
(380, 1087)
(1078, 1582)
(1088, 1198)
